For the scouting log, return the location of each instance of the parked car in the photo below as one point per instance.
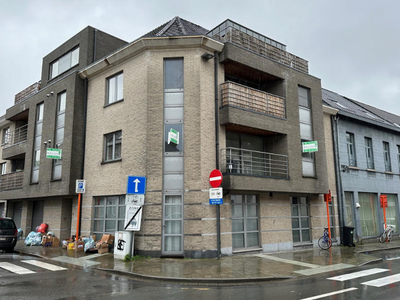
(8, 234)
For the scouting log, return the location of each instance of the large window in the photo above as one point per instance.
(348, 209)
(306, 132)
(300, 220)
(115, 88)
(368, 215)
(112, 146)
(369, 153)
(59, 138)
(3, 169)
(64, 63)
(6, 136)
(37, 143)
(351, 150)
(386, 157)
(392, 212)
(245, 223)
(109, 214)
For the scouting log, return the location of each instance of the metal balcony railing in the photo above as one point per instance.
(12, 181)
(235, 33)
(238, 95)
(248, 162)
(18, 135)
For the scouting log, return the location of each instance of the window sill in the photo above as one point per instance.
(54, 180)
(353, 168)
(371, 170)
(310, 177)
(111, 161)
(389, 173)
(109, 104)
(34, 183)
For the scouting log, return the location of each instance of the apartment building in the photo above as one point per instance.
(233, 99)
(367, 153)
(50, 114)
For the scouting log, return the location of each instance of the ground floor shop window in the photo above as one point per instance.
(300, 220)
(348, 209)
(245, 221)
(109, 214)
(368, 214)
(392, 212)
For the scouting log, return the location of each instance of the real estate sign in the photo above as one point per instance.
(310, 146)
(173, 136)
(53, 153)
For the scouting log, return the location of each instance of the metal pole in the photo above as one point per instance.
(217, 147)
(78, 222)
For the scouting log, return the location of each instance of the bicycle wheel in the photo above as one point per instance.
(324, 243)
(382, 238)
(389, 236)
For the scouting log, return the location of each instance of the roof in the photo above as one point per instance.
(177, 27)
(354, 109)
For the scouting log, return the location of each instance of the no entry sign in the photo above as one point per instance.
(215, 178)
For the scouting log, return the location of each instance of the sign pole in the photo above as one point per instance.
(329, 223)
(78, 222)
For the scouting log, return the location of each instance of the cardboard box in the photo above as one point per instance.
(102, 247)
(107, 238)
(50, 241)
(71, 246)
(65, 245)
(79, 244)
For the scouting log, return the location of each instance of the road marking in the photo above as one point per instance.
(15, 269)
(358, 274)
(323, 269)
(393, 258)
(383, 281)
(43, 265)
(330, 294)
(288, 261)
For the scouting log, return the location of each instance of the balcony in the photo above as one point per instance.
(12, 181)
(241, 96)
(16, 136)
(237, 161)
(237, 34)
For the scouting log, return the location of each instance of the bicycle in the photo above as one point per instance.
(387, 234)
(325, 241)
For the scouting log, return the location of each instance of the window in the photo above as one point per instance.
(37, 143)
(348, 209)
(386, 157)
(391, 212)
(112, 147)
(369, 153)
(300, 220)
(109, 214)
(306, 132)
(59, 135)
(3, 168)
(64, 63)
(245, 222)
(6, 136)
(398, 156)
(368, 215)
(115, 88)
(351, 149)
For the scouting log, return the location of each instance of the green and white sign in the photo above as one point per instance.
(310, 146)
(53, 153)
(173, 136)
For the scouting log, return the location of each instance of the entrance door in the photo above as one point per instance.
(245, 223)
(37, 214)
(17, 213)
(172, 240)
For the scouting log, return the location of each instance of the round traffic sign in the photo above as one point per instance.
(215, 178)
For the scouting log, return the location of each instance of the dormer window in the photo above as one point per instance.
(65, 62)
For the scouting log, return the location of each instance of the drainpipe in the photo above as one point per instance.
(338, 177)
(217, 147)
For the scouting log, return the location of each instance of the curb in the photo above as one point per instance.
(199, 280)
(379, 249)
(370, 262)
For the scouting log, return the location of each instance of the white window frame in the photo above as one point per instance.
(113, 94)
(37, 143)
(369, 153)
(351, 148)
(386, 156)
(119, 214)
(114, 142)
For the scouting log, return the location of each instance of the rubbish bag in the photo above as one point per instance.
(33, 239)
(89, 244)
(43, 228)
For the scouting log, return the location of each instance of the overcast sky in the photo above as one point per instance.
(353, 46)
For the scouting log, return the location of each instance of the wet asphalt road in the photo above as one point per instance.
(88, 283)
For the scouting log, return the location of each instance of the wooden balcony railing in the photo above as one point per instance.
(12, 181)
(238, 95)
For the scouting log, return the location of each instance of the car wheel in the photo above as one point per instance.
(9, 250)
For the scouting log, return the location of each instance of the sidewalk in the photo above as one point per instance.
(237, 268)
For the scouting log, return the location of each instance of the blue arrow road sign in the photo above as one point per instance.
(136, 185)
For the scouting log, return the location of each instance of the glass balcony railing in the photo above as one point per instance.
(238, 95)
(248, 162)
